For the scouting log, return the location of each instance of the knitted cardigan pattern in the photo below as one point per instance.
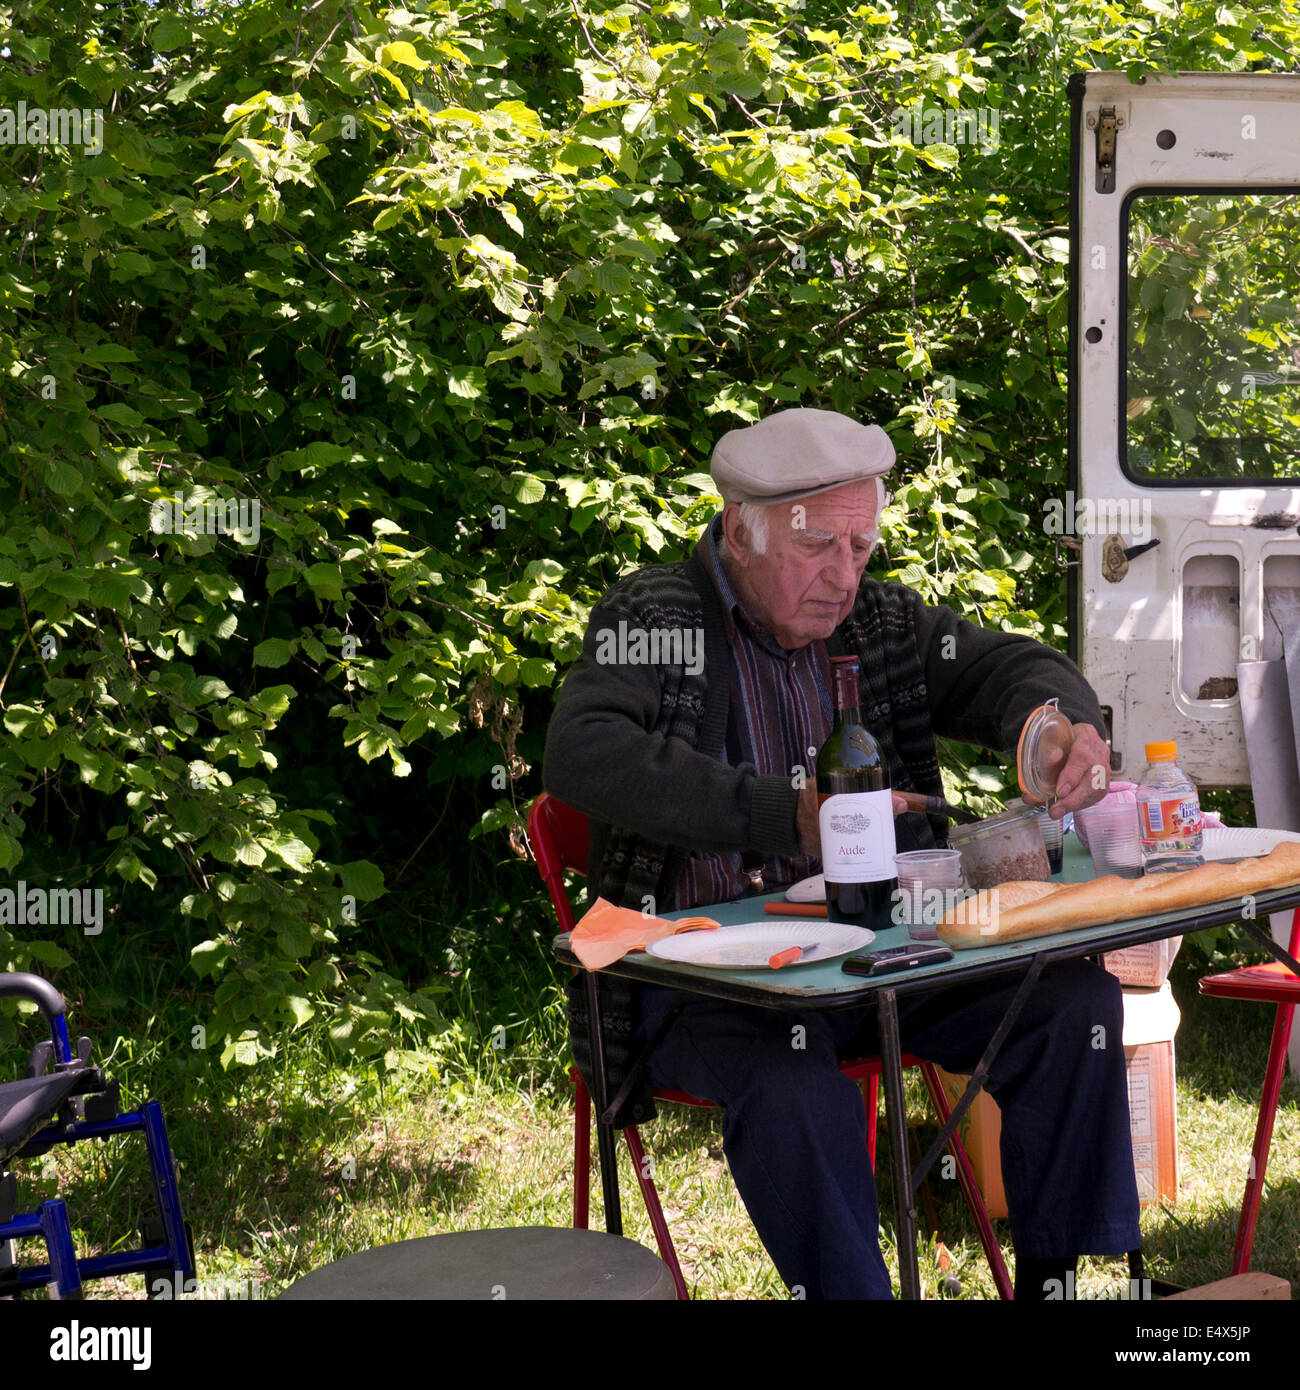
(633, 871)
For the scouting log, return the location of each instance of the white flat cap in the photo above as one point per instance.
(796, 453)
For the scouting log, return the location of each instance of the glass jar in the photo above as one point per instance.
(1002, 848)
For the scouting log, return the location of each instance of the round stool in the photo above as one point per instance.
(523, 1262)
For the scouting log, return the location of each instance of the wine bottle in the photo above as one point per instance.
(855, 812)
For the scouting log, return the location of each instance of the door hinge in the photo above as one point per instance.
(1106, 121)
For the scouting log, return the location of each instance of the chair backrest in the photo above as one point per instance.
(559, 836)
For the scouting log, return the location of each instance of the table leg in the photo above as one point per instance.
(981, 1072)
(891, 1057)
(1271, 946)
(605, 1138)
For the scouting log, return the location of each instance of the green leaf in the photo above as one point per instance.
(526, 489)
(167, 34)
(208, 688)
(109, 352)
(64, 477)
(300, 1008)
(274, 651)
(48, 953)
(120, 414)
(293, 851)
(403, 53)
(23, 720)
(467, 382)
(362, 879)
(325, 581)
(1183, 420)
(939, 156)
(273, 701)
(372, 745)
(294, 940)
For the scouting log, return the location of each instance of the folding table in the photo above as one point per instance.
(824, 985)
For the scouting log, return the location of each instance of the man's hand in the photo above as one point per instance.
(810, 840)
(1086, 775)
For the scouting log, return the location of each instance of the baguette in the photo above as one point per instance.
(1019, 911)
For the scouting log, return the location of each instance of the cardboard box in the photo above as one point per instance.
(1145, 966)
(1151, 1019)
(1150, 1022)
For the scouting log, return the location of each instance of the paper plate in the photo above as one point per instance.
(807, 890)
(750, 945)
(1242, 842)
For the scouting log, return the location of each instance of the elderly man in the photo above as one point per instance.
(691, 773)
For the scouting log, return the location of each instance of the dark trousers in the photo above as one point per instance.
(794, 1128)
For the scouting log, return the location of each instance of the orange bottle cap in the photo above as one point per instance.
(1158, 752)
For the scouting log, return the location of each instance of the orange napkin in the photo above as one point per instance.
(607, 933)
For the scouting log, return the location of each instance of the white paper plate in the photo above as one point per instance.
(807, 890)
(750, 945)
(1242, 842)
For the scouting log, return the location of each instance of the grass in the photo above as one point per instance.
(302, 1161)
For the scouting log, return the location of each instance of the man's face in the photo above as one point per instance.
(805, 584)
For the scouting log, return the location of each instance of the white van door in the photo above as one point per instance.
(1185, 402)
(1184, 482)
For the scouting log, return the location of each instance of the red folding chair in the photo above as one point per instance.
(559, 839)
(1267, 984)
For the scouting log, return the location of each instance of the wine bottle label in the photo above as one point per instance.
(857, 832)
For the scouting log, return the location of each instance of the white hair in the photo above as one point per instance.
(756, 518)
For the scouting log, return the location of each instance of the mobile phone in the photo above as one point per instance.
(914, 954)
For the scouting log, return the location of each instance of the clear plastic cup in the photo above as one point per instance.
(1053, 832)
(1120, 794)
(929, 884)
(1114, 841)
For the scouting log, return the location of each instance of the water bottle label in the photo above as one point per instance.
(1171, 818)
(857, 833)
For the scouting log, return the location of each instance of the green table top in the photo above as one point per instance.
(825, 983)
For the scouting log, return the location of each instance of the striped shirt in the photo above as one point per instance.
(781, 712)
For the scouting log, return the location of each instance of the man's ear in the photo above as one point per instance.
(735, 534)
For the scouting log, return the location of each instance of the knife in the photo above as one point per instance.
(937, 806)
(790, 955)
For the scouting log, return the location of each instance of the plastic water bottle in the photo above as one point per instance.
(1169, 813)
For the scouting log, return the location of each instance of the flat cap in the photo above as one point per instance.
(796, 453)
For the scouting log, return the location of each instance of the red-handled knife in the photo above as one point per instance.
(790, 955)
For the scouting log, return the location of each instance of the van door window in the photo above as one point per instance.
(1212, 318)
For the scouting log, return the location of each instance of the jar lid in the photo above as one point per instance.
(1045, 744)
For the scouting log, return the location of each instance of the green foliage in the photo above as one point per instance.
(461, 301)
(1214, 348)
